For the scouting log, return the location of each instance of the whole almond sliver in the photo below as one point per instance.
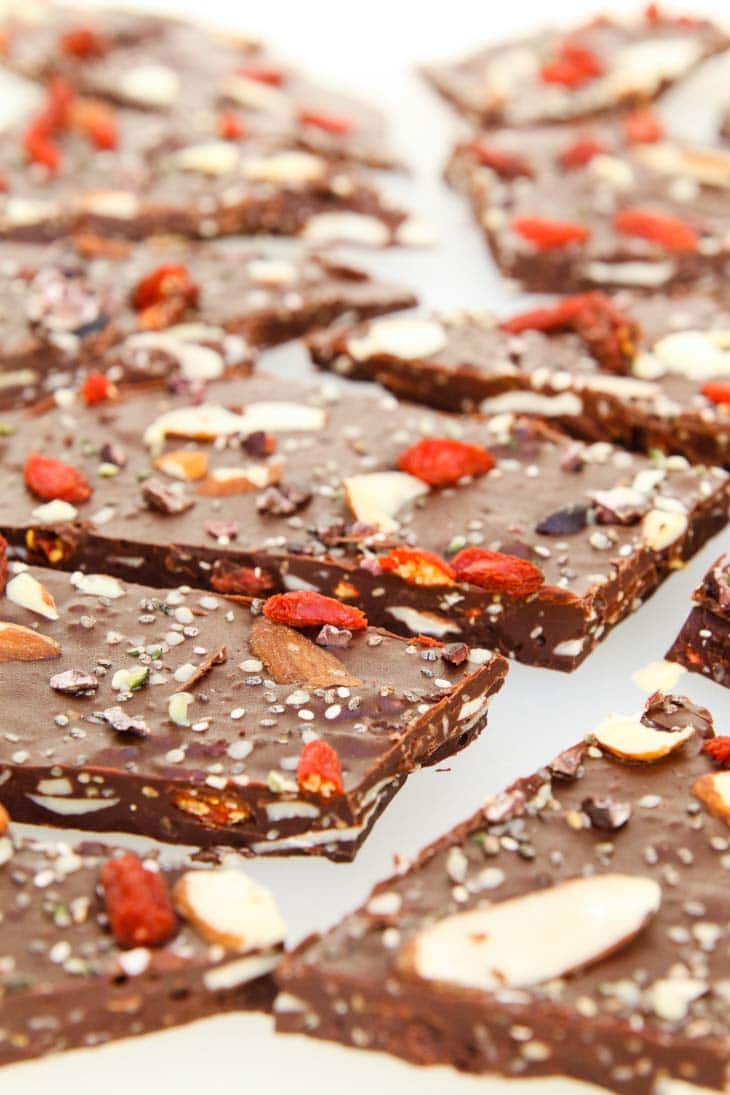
(22, 644)
(292, 658)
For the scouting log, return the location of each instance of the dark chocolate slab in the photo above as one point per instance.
(633, 60)
(309, 533)
(404, 973)
(64, 980)
(68, 309)
(650, 398)
(159, 747)
(703, 643)
(663, 179)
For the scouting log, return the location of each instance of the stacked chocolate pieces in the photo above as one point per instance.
(703, 643)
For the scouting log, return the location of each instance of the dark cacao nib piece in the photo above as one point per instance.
(573, 459)
(455, 653)
(123, 723)
(218, 529)
(164, 500)
(114, 453)
(567, 764)
(282, 501)
(258, 443)
(605, 813)
(518, 549)
(619, 506)
(675, 713)
(564, 522)
(74, 682)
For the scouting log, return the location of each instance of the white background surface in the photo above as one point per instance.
(371, 48)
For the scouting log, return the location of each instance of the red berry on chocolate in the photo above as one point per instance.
(262, 74)
(643, 127)
(137, 903)
(96, 388)
(319, 770)
(508, 165)
(243, 581)
(51, 479)
(581, 152)
(573, 66)
(669, 232)
(336, 124)
(83, 42)
(718, 391)
(442, 461)
(306, 608)
(230, 127)
(718, 749)
(165, 282)
(544, 234)
(497, 573)
(420, 568)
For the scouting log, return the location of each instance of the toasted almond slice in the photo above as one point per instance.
(292, 658)
(662, 528)
(228, 908)
(377, 497)
(714, 790)
(402, 338)
(210, 421)
(186, 464)
(580, 922)
(224, 481)
(22, 644)
(631, 739)
(27, 592)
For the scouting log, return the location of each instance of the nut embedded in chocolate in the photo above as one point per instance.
(123, 723)
(675, 714)
(163, 499)
(455, 653)
(606, 813)
(282, 500)
(74, 682)
(568, 763)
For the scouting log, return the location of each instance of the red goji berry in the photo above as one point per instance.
(719, 750)
(546, 234)
(38, 142)
(496, 572)
(96, 120)
(643, 127)
(319, 770)
(610, 336)
(230, 127)
(137, 903)
(420, 568)
(670, 232)
(170, 280)
(40, 149)
(50, 479)
(508, 165)
(262, 74)
(718, 391)
(3, 563)
(337, 124)
(83, 42)
(306, 608)
(244, 581)
(574, 65)
(96, 388)
(442, 461)
(3, 185)
(581, 152)
(158, 316)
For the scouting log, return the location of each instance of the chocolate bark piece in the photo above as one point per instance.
(645, 382)
(69, 308)
(203, 710)
(189, 70)
(703, 643)
(66, 981)
(643, 215)
(441, 966)
(165, 175)
(343, 451)
(564, 75)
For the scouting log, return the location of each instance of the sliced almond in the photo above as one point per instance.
(210, 421)
(662, 528)
(714, 790)
(580, 922)
(97, 585)
(290, 168)
(27, 592)
(209, 158)
(377, 497)
(228, 908)
(150, 85)
(224, 481)
(631, 739)
(402, 338)
(186, 464)
(22, 644)
(292, 658)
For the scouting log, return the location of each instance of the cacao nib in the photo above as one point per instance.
(564, 522)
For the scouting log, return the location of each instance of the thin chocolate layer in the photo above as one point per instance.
(619, 860)
(703, 643)
(647, 372)
(66, 982)
(181, 716)
(316, 513)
